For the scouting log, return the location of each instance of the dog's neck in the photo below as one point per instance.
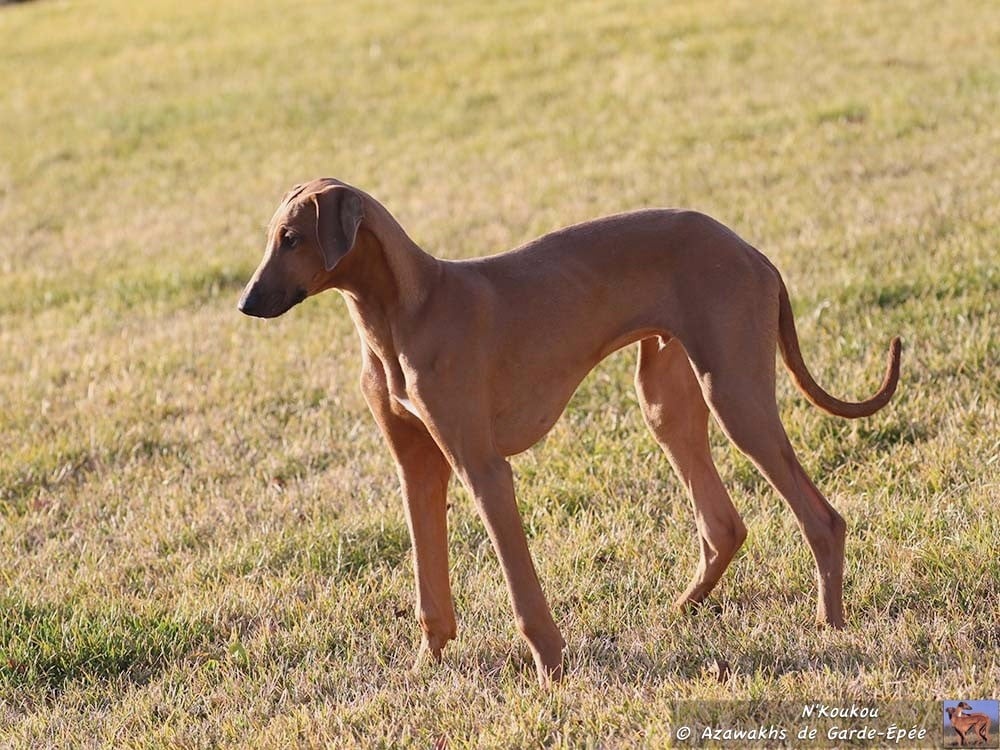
(386, 277)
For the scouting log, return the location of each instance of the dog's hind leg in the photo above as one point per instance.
(735, 361)
(677, 415)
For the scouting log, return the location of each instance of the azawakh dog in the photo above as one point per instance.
(465, 363)
(963, 723)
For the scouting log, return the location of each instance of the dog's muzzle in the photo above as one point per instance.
(261, 304)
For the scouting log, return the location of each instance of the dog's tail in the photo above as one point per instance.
(788, 342)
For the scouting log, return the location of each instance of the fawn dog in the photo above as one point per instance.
(465, 363)
(963, 723)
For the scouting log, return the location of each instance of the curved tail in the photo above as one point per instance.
(788, 342)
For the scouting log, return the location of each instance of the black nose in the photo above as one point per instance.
(249, 303)
(262, 302)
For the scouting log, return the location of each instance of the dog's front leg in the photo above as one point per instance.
(423, 476)
(492, 485)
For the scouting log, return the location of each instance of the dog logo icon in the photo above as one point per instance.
(968, 723)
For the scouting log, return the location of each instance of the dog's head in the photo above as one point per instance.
(315, 226)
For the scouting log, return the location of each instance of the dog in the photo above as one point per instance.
(963, 723)
(465, 363)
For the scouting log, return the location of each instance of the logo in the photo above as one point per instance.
(971, 723)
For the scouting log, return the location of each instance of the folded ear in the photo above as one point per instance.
(338, 216)
(296, 189)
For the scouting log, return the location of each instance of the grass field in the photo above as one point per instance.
(201, 538)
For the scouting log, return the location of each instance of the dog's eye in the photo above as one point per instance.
(289, 240)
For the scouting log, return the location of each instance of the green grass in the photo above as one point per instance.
(201, 539)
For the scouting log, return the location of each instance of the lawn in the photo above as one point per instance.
(201, 537)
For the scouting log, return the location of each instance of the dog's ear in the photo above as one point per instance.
(295, 190)
(338, 216)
